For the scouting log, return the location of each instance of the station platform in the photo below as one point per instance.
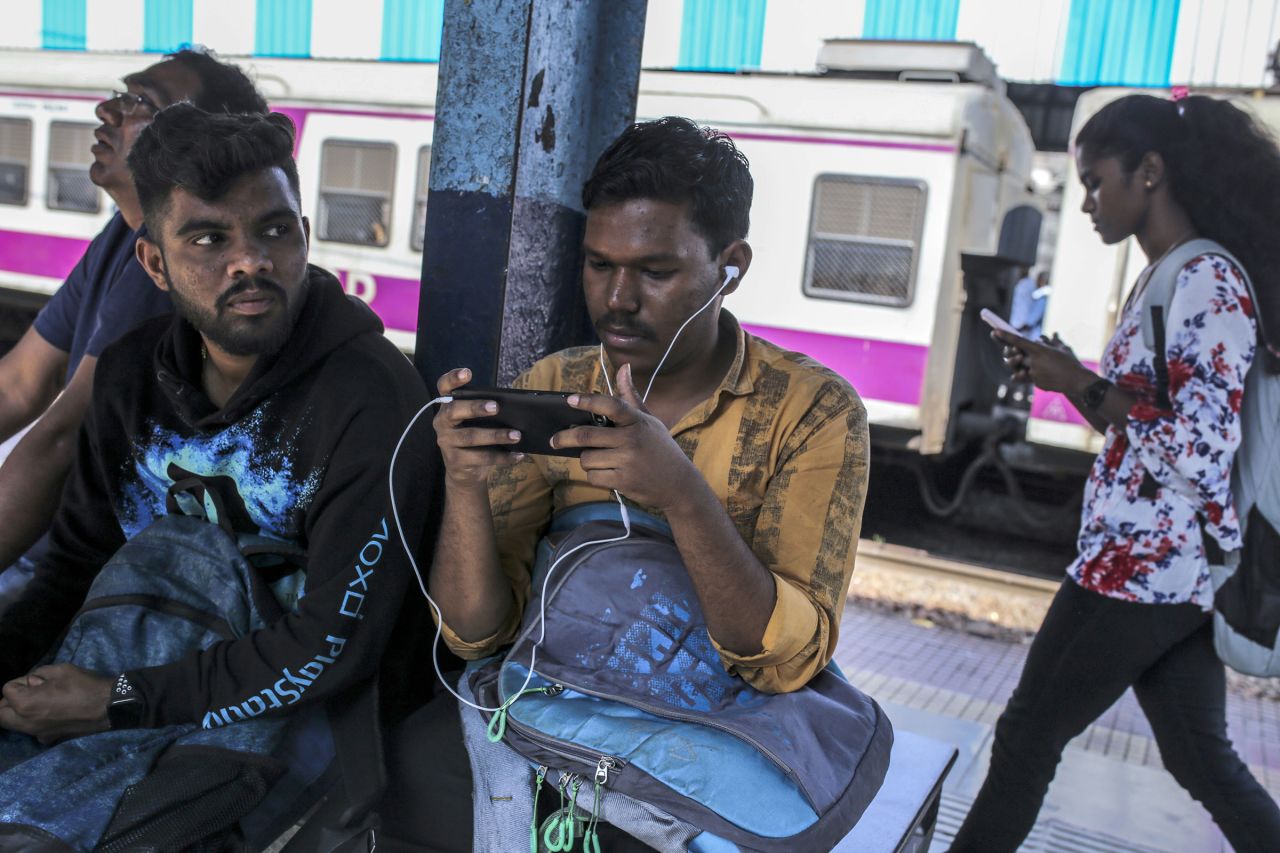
(1111, 793)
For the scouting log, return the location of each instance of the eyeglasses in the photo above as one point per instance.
(130, 102)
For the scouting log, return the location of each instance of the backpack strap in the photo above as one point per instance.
(1161, 285)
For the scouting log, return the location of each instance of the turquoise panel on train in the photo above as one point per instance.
(911, 20)
(411, 30)
(721, 35)
(283, 28)
(63, 24)
(1119, 43)
(166, 25)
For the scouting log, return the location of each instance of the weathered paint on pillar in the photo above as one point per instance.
(502, 261)
(581, 80)
(472, 187)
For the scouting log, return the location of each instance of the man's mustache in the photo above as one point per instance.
(623, 324)
(252, 283)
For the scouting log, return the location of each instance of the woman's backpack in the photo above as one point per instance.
(1246, 582)
(630, 702)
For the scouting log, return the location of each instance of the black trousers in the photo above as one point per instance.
(1089, 650)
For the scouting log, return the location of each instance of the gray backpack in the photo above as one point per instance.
(631, 715)
(1246, 582)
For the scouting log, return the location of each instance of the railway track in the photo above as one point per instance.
(914, 580)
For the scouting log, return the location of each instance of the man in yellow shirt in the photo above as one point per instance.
(755, 457)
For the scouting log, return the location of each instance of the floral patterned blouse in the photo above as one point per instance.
(1151, 549)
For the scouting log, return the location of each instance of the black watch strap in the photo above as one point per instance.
(125, 708)
(1095, 394)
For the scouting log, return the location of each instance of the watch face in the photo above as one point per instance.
(1096, 393)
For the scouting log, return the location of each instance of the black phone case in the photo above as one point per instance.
(537, 414)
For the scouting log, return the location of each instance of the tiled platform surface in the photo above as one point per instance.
(1111, 793)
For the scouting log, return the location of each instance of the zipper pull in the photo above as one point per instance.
(603, 766)
(554, 689)
(533, 825)
(571, 815)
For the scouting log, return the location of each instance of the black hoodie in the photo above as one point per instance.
(300, 453)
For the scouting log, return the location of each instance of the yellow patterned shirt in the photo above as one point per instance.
(783, 443)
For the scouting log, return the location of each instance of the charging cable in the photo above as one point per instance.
(731, 272)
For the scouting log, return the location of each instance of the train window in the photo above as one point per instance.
(69, 186)
(356, 180)
(420, 205)
(15, 159)
(864, 233)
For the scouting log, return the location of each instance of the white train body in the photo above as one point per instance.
(869, 193)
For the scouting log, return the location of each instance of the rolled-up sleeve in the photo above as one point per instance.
(520, 502)
(806, 535)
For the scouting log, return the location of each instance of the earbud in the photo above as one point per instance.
(730, 273)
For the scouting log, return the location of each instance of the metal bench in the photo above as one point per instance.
(902, 817)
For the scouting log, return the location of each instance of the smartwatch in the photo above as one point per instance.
(1095, 394)
(124, 711)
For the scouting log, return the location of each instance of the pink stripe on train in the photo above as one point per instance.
(47, 255)
(890, 371)
(880, 370)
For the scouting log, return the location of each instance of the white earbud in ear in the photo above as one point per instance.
(730, 273)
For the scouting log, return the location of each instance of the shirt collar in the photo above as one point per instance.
(737, 380)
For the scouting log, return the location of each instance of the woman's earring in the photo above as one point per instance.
(1149, 184)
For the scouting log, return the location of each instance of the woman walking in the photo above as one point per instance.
(1134, 610)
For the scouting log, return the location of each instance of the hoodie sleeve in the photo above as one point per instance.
(358, 573)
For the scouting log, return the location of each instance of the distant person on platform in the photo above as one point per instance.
(106, 295)
(1030, 298)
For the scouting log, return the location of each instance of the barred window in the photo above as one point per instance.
(15, 159)
(69, 186)
(356, 182)
(864, 234)
(420, 205)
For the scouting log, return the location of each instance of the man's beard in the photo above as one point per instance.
(243, 335)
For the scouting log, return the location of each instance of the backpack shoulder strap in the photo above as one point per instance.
(1159, 292)
(1164, 281)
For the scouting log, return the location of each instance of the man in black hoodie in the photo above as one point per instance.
(272, 389)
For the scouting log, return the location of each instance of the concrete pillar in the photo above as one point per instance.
(530, 93)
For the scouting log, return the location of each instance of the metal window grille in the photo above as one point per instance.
(15, 159)
(69, 160)
(864, 234)
(356, 182)
(420, 205)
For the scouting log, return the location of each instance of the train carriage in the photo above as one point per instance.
(893, 202)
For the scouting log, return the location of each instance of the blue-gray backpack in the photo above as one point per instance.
(178, 586)
(1246, 582)
(630, 703)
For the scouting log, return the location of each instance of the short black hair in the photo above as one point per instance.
(673, 160)
(224, 87)
(204, 153)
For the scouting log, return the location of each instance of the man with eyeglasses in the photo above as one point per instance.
(49, 372)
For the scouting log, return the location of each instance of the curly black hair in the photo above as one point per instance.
(673, 160)
(204, 153)
(1224, 171)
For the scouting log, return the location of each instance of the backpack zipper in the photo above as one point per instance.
(700, 720)
(601, 765)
